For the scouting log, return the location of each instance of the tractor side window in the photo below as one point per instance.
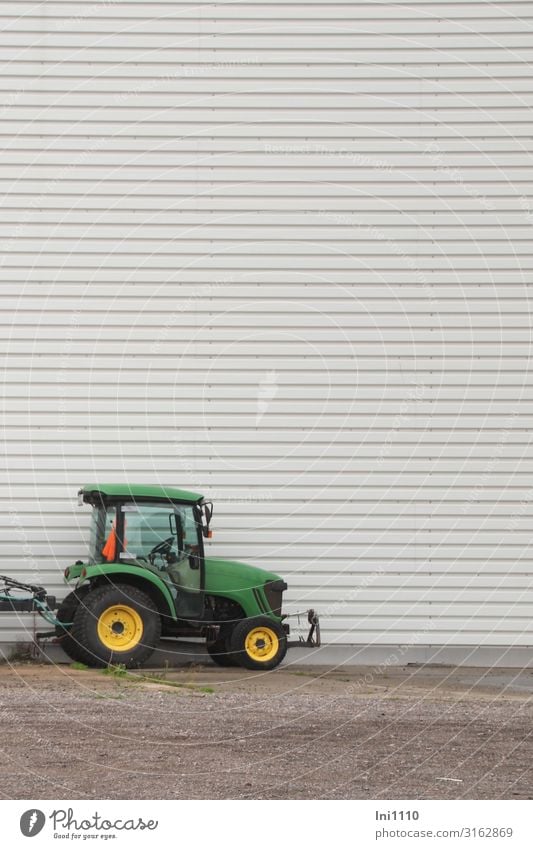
(149, 534)
(190, 529)
(167, 539)
(102, 538)
(185, 573)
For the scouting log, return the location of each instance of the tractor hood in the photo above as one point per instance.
(225, 575)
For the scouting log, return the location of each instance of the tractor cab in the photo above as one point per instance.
(136, 528)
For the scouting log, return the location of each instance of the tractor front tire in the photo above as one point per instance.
(116, 624)
(258, 643)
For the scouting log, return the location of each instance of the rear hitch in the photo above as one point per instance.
(38, 601)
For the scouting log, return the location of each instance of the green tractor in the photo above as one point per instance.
(147, 577)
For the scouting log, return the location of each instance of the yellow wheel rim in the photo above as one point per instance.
(120, 628)
(261, 644)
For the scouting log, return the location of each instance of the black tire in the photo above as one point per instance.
(219, 651)
(264, 651)
(65, 613)
(103, 603)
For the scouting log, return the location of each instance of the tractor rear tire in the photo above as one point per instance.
(117, 624)
(219, 651)
(258, 643)
(65, 613)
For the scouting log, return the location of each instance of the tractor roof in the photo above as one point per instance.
(137, 492)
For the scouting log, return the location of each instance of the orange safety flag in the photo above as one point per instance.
(109, 550)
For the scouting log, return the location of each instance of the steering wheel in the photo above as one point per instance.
(162, 548)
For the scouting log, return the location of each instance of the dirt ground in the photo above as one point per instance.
(295, 733)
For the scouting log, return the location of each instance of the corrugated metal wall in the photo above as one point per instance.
(280, 253)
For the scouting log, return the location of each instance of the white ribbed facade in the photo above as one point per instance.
(281, 254)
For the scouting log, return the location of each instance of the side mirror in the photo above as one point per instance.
(202, 514)
(172, 524)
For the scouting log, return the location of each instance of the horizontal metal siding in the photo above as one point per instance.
(281, 254)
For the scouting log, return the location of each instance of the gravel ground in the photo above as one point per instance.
(296, 733)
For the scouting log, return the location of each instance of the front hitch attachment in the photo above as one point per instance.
(312, 641)
(313, 637)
